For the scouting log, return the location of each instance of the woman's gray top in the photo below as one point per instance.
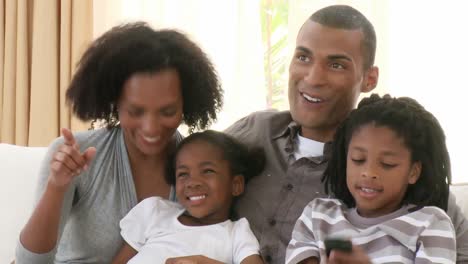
(93, 205)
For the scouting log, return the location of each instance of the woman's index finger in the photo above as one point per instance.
(68, 137)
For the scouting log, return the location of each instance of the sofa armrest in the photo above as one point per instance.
(461, 195)
(19, 168)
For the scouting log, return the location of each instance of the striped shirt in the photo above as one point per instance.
(408, 235)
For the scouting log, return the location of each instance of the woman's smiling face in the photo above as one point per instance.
(150, 110)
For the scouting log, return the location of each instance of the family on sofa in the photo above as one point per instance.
(377, 177)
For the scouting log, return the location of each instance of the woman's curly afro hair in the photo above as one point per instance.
(136, 48)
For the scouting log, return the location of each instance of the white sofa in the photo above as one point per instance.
(18, 173)
(19, 167)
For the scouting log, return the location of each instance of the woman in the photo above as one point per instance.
(143, 83)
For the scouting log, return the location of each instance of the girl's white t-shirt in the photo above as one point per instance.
(152, 229)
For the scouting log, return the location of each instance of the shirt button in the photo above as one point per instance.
(272, 222)
(289, 186)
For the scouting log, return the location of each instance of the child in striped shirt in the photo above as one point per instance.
(390, 173)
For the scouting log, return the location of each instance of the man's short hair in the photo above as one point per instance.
(346, 17)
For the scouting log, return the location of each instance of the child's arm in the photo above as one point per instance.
(356, 255)
(197, 259)
(303, 246)
(125, 254)
(311, 260)
(253, 259)
(437, 243)
(256, 259)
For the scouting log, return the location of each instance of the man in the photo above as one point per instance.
(332, 64)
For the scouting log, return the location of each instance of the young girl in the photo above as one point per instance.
(390, 171)
(209, 170)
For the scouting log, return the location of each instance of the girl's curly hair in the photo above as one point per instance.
(422, 135)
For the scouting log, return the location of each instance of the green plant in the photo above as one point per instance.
(274, 15)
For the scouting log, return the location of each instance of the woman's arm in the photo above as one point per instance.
(125, 254)
(40, 233)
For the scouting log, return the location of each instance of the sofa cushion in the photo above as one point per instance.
(461, 195)
(19, 167)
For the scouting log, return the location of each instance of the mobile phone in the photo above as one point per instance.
(337, 244)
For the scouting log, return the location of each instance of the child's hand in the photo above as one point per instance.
(197, 259)
(68, 162)
(356, 256)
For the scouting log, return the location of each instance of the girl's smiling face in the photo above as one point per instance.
(204, 184)
(379, 170)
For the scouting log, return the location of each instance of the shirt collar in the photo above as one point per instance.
(291, 130)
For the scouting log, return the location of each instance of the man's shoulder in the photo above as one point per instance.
(267, 116)
(261, 120)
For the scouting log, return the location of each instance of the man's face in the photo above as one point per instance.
(326, 76)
